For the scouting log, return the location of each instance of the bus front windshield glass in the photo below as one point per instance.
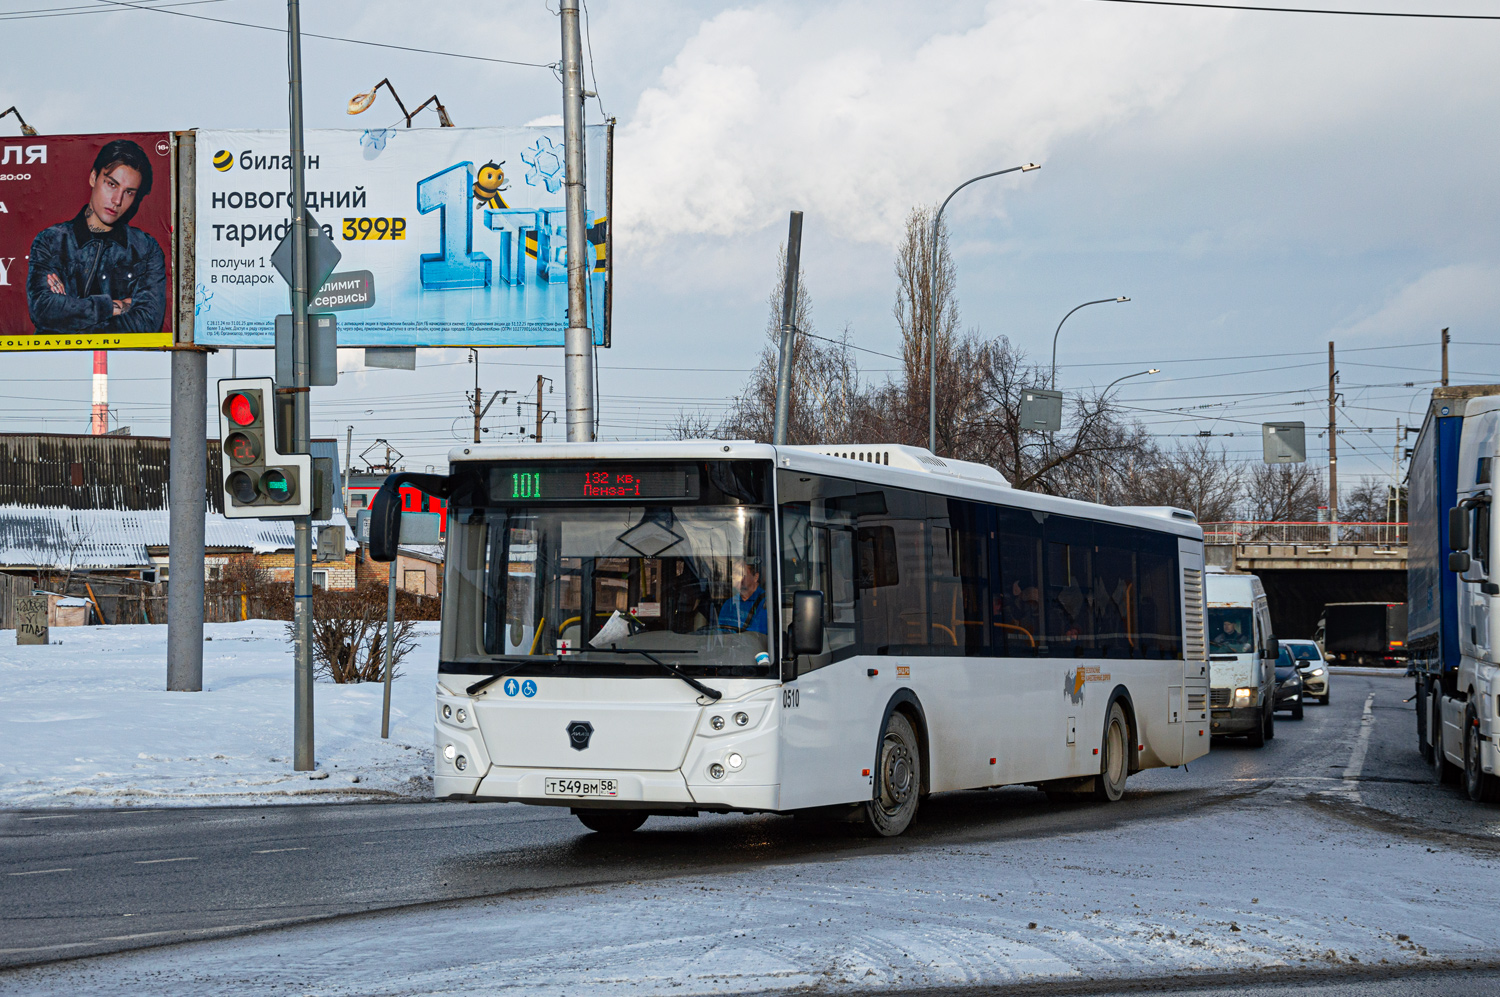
(593, 590)
(1230, 630)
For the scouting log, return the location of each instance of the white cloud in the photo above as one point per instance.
(1461, 297)
(759, 113)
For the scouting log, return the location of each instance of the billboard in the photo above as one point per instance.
(86, 242)
(448, 236)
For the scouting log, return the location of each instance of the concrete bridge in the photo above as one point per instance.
(1305, 565)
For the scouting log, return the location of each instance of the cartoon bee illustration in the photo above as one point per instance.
(489, 184)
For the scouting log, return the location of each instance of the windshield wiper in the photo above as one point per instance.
(496, 676)
(673, 670)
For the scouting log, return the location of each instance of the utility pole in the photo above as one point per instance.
(1445, 357)
(1333, 451)
(788, 329)
(302, 726)
(348, 466)
(578, 345)
(539, 380)
(478, 410)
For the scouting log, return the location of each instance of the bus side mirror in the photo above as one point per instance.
(1273, 647)
(385, 523)
(807, 623)
(1458, 561)
(1458, 531)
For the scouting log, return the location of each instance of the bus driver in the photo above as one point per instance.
(745, 612)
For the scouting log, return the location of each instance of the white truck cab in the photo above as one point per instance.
(1241, 657)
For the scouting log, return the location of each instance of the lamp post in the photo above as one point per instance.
(931, 304)
(1139, 373)
(1101, 301)
(361, 102)
(26, 129)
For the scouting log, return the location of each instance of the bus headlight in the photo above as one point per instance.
(716, 770)
(736, 761)
(447, 711)
(716, 722)
(1244, 697)
(460, 763)
(741, 719)
(449, 752)
(463, 716)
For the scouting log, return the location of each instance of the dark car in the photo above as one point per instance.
(1288, 684)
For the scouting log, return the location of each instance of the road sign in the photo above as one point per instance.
(323, 352)
(322, 256)
(1283, 442)
(1041, 410)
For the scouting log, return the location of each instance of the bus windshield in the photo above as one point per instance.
(1230, 630)
(581, 590)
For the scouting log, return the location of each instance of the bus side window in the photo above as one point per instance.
(840, 592)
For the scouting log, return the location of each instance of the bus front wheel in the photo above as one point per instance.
(898, 779)
(611, 821)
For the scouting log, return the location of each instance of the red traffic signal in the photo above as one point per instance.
(241, 409)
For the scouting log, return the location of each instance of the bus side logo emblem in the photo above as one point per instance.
(579, 732)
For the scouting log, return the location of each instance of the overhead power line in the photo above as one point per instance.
(328, 38)
(1309, 10)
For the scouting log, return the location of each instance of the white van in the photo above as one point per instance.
(1241, 657)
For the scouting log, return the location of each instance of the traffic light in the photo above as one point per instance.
(260, 482)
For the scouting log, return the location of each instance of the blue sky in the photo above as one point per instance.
(1257, 183)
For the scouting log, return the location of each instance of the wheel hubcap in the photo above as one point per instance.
(898, 775)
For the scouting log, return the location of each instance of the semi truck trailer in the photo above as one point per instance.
(1453, 588)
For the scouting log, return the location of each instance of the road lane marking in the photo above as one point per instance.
(1356, 766)
(39, 872)
(52, 817)
(184, 858)
(273, 851)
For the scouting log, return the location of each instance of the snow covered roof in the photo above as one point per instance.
(33, 537)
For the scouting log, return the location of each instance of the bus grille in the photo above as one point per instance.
(1192, 586)
(1219, 698)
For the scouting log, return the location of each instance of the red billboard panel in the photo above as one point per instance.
(86, 242)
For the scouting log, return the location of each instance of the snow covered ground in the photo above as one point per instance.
(85, 721)
(1243, 887)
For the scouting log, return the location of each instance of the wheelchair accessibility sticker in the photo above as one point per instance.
(512, 687)
(528, 688)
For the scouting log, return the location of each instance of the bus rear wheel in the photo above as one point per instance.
(1114, 763)
(611, 821)
(898, 779)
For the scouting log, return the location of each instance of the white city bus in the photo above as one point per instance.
(673, 628)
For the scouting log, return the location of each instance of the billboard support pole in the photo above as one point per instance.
(187, 502)
(788, 329)
(302, 750)
(578, 345)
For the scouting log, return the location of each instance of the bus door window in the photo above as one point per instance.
(1016, 604)
(817, 555)
(1070, 596)
(1116, 594)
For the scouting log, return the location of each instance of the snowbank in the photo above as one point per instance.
(84, 721)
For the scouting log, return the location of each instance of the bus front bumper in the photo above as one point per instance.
(630, 790)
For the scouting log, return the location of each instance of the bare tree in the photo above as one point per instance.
(1282, 493)
(692, 426)
(1195, 477)
(1373, 500)
(926, 308)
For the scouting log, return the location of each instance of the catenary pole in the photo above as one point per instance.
(303, 759)
(578, 344)
(390, 648)
(1445, 356)
(539, 380)
(188, 507)
(1333, 450)
(788, 329)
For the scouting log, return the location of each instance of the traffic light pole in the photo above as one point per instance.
(302, 751)
(187, 499)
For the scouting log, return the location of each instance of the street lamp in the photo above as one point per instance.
(1139, 373)
(931, 303)
(361, 102)
(1101, 301)
(26, 129)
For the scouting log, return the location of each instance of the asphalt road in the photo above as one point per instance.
(83, 882)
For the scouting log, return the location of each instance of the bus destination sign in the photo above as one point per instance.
(594, 483)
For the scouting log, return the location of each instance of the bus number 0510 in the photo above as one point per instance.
(790, 698)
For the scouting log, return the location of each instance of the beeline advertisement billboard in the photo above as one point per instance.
(86, 242)
(447, 236)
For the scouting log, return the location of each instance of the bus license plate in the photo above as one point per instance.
(583, 787)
